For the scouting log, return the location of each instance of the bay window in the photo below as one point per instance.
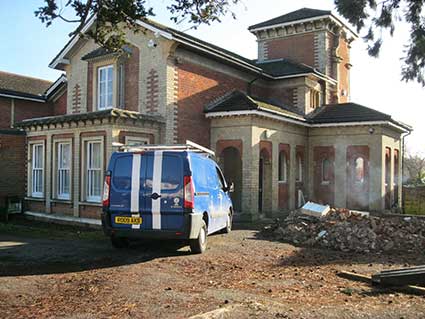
(37, 170)
(94, 171)
(63, 174)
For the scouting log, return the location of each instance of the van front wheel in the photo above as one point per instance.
(199, 245)
(119, 242)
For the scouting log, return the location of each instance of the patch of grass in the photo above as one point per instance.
(21, 226)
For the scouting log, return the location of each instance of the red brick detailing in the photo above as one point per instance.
(62, 208)
(123, 134)
(62, 136)
(37, 138)
(94, 133)
(223, 144)
(76, 99)
(12, 168)
(324, 192)
(5, 111)
(87, 211)
(283, 197)
(299, 48)
(152, 92)
(387, 178)
(299, 184)
(90, 86)
(267, 147)
(131, 86)
(59, 105)
(396, 175)
(357, 193)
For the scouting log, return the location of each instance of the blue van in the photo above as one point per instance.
(165, 192)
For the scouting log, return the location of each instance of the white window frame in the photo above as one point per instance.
(87, 175)
(40, 168)
(136, 140)
(99, 70)
(285, 167)
(62, 171)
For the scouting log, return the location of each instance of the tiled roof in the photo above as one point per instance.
(110, 113)
(240, 101)
(283, 67)
(327, 114)
(301, 14)
(100, 52)
(347, 112)
(15, 83)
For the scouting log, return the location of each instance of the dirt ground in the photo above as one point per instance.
(51, 272)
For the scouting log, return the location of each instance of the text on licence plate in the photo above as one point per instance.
(128, 220)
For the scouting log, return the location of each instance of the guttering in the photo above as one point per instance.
(291, 119)
(58, 82)
(19, 97)
(285, 24)
(155, 30)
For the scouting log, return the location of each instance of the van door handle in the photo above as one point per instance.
(155, 196)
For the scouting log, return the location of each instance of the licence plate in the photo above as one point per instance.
(128, 220)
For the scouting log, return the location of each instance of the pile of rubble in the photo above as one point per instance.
(345, 230)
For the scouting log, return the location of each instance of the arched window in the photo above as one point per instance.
(326, 171)
(299, 169)
(314, 98)
(283, 167)
(359, 170)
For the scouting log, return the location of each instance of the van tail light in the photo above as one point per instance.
(106, 191)
(188, 192)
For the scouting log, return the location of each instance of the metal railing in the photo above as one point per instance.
(189, 146)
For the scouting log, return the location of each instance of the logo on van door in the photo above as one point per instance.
(176, 203)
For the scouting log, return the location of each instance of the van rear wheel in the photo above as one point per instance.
(199, 245)
(119, 242)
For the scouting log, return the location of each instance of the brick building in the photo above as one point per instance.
(282, 126)
(22, 97)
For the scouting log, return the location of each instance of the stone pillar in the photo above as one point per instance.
(340, 199)
(48, 173)
(292, 177)
(76, 187)
(392, 195)
(250, 164)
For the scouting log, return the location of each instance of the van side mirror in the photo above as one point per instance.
(230, 188)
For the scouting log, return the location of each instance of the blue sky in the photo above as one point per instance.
(27, 47)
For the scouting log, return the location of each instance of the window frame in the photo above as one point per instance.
(136, 139)
(99, 70)
(283, 156)
(85, 191)
(33, 146)
(58, 180)
(356, 181)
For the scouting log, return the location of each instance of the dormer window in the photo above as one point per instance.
(105, 87)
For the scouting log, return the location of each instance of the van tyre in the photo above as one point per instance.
(228, 227)
(119, 242)
(199, 245)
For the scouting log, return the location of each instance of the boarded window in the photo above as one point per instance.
(326, 171)
(299, 168)
(359, 170)
(283, 167)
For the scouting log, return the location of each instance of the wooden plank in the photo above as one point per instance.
(355, 277)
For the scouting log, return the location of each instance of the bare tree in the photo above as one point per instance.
(415, 168)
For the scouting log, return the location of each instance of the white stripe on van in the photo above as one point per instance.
(156, 188)
(135, 184)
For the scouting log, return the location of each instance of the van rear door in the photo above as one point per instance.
(163, 189)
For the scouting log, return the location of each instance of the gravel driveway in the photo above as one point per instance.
(240, 276)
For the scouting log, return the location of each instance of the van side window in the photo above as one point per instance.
(200, 178)
(220, 178)
(121, 178)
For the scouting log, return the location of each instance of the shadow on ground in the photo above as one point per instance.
(23, 256)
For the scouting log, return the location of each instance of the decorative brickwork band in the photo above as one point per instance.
(76, 99)
(152, 92)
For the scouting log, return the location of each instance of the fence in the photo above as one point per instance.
(414, 200)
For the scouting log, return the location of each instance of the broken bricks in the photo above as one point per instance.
(345, 230)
